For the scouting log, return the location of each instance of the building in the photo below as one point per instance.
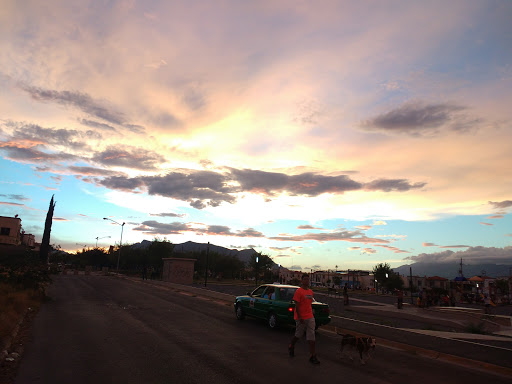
(10, 230)
(28, 239)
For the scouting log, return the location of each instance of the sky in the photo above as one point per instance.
(331, 134)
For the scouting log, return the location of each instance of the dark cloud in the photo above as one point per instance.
(418, 118)
(350, 236)
(135, 128)
(129, 157)
(156, 228)
(123, 183)
(307, 227)
(501, 204)
(13, 152)
(15, 197)
(168, 214)
(95, 124)
(249, 232)
(79, 100)
(209, 188)
(92, 171)
(473, 255)
(199, 188)
(388, 185)
(69, 138)
(308, 184)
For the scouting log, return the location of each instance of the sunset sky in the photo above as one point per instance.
(321, 133)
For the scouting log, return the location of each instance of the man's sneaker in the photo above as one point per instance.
(314, 360)
(291, 350)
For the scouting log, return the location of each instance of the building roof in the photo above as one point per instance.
(437, 278)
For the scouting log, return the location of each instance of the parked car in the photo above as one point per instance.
(273, 303)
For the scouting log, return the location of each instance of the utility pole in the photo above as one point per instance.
(206, 269)
(410, 283)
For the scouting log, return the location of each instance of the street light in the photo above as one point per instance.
(104, 237)
(121, 242)
(257, 270)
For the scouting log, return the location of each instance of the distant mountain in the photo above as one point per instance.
(144, 244)
(190, 246)
(450, 271)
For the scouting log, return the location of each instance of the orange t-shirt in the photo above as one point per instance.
(303, 299)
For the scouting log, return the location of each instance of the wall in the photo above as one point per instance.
(12, 225)
(178, 270)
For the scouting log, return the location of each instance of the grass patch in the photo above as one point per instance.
(14, 302)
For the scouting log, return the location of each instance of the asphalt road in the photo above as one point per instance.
(108, 330)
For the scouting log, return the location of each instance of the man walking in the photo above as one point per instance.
(304, 319)
(345, 294)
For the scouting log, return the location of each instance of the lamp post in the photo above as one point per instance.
(121, 242)
(257, 271)
(104, 237)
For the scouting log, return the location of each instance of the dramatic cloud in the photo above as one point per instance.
(388, 185)
(129, 157)
(417, 118)
(473, 255)
(95, 124)
(307, 184)
(157, 228)
(78, 100)
(32, 155)
(501, 204)
(350, 236)
(209, 188)
(91, 171)
(69, 138)
(429, 245)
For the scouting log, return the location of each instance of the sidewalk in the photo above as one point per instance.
(441, 315)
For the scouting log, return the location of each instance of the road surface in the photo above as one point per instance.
(101, 329)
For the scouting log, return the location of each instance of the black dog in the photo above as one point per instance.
(364, 346)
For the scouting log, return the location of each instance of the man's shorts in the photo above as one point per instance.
(307, 326)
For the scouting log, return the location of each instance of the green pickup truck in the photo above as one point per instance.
(273, 303)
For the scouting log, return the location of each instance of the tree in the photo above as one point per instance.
(45, 243)
(386, 278)
(262, 267)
